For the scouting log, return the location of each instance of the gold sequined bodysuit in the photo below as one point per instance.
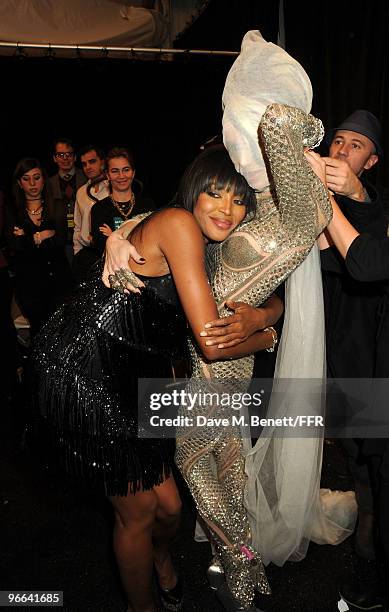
(248, 266)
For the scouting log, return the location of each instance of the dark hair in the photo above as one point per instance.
(19, 197)
(91, 147)
(213, 168)
(121, 152)
(65, 141)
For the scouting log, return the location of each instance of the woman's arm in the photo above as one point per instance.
(303, 204)
(246, 320)
(119, 251)
(126, 228)
(185, 257)
(47, 238)
(56, 233)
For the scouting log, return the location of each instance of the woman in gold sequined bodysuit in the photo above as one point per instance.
(292, 210)
(248, 266)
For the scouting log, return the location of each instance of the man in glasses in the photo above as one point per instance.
(65, 183)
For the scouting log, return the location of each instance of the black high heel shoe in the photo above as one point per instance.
(172, 599)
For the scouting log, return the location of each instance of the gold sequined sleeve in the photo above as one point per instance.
(302, 199)
(263, 252)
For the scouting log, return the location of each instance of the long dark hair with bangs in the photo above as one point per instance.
(19, 199)
(213, 169)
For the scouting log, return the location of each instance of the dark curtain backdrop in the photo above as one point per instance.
(344, 47)
(166, 110)
(163, 110)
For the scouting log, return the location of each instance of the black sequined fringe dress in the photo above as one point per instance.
(86, 363)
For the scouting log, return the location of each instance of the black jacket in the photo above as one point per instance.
(368, 257)
(104, 211)
(352, 307)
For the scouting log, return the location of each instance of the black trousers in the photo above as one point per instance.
(362, 472)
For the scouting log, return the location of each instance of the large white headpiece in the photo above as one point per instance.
(262, 74)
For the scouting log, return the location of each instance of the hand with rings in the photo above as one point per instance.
(118, 252)
(120, 280)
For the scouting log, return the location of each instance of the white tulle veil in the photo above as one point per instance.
(282, 495)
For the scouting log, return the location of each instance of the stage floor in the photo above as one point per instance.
(55, 536)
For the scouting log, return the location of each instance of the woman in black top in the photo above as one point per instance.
(88, 359)
(108, 214)
(37, 236)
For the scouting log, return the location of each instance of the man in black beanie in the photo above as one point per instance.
(352, 308)
(355, 146)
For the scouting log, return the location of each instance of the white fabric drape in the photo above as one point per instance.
(262, 74)
(282, 495)
(283, 499)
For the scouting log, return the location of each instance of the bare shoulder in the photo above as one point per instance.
(176, 218)
(173, 213)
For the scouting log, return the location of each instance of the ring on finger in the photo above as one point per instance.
(130, 277)
(115, 283)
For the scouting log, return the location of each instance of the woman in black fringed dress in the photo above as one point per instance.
(91, 353)
(90, 356)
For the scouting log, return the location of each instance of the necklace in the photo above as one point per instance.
(36, 211)
(124, 208)
(35, 214)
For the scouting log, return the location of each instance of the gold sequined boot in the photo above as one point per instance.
(243, 575)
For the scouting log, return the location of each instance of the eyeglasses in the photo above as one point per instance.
(64, 155)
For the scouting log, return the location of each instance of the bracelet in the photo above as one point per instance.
(274, 338)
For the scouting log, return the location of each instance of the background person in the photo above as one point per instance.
(353, 308)
(37, 238)
(122, 202)
(65, 183)
(367, 259)
(96, 188)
